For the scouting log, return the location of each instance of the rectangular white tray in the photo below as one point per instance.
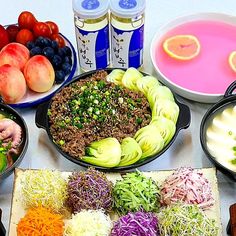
(17, 210)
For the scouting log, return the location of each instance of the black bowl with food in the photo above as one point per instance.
(113, 119)
(13, 140)
(2, 229)
(218, 133)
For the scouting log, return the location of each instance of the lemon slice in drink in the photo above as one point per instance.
(232, 60)
(182, 47)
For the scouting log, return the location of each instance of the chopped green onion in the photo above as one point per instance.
(95, 101)
(83, 88)
(233, 161)
(79, 125)
(90, 109)
(61, 142)
(139, 120)
(67, 120)
(120, 100)
(139, 100)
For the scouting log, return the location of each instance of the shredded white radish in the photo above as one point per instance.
(88, 223)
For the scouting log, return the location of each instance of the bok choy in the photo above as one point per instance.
(130, 151)
(130, 78)
(116, 76)
(160, 92)
(105, 152)
(150, 140)
(146, 83)
(166, 108)
(165, 126)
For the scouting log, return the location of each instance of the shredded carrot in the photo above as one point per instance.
(40, 221)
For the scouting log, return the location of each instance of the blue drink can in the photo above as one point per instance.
(127, 33)
(92, 33)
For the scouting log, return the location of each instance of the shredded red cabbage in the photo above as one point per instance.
(89, 190)
(138, 224)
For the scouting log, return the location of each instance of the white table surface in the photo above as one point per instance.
(186, 150)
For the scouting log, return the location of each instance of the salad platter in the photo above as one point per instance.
(204, 178)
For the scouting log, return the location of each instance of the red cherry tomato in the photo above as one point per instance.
(24, 36)
(60, 40)
(26, 20)
(53, 26)
(12, 31)
(4, 39)
(42, 29)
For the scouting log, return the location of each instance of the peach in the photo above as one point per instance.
(12, 84)
(14, 54)
(39, 74)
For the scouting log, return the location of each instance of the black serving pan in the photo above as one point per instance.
(42, 121)
(2, 229)
(228, 99)
(25, 137)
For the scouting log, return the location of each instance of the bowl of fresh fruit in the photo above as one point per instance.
(35, 61)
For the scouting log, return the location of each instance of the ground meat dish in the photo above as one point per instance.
(92, 109)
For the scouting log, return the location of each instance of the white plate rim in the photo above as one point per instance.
(187, 93)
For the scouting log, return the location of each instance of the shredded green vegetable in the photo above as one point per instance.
(186, 220)
(136, 192)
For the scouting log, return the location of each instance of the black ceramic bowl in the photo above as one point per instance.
(228, 99)
(2, 229)
(42, 121)
(24, 143)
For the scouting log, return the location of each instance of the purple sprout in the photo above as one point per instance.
(89, 190)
